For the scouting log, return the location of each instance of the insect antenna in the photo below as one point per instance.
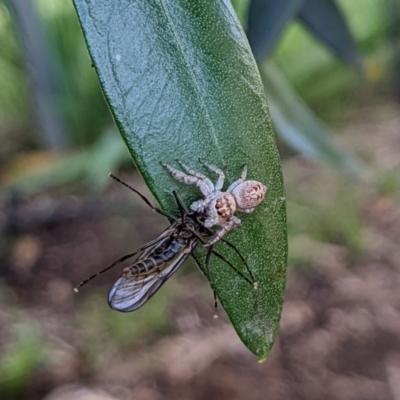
(76, 289)
(166, 214)
(209, 278)
(144, 247)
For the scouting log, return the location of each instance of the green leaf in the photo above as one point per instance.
(182, 83)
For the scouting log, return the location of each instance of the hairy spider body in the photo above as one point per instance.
(218, 207)
(248, 195)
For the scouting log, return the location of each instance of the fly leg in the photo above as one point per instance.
(209, 252)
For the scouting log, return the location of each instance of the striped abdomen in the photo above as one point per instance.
(157, 260)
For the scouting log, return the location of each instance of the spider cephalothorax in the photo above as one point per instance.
(219, 207)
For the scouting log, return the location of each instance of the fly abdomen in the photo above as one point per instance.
(147, 265)
(168, 255)
(178, 245)
(171, 250)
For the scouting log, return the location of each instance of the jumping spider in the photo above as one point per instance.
(219, 207)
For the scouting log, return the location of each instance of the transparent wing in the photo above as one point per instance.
(157, 242)
(130, 291)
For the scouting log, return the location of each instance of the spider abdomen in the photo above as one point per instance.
(249, 194)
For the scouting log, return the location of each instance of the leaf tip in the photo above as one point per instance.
(263, 359)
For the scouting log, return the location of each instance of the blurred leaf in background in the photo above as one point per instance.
(294, 121)
(43, 83)
(23, 356)
(267, 20)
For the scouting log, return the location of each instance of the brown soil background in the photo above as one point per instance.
(340, 328)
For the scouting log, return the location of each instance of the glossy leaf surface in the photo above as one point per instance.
(182, 83)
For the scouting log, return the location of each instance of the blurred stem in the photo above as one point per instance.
(43, 83)
(299, 127)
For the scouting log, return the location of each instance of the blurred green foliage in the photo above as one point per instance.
(322, 80)
(325, 82)
(325, 211)
(80, 98)
(13, 84)
(338, 221)
(90, 166)
(82, 102)
(388, 182)
(100, 325)
(24, 354)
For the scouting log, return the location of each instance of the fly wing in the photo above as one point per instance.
(130, 291)
(158, 242)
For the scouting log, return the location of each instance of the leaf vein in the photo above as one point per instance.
(193, 78)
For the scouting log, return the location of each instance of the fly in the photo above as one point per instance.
(159, 259)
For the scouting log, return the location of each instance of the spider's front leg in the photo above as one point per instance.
(247, 194)
(199, 205)
(221, 176)
(233, 222)
(192, 178)
(239, 181)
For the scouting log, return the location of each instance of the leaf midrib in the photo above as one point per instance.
(193, 78)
